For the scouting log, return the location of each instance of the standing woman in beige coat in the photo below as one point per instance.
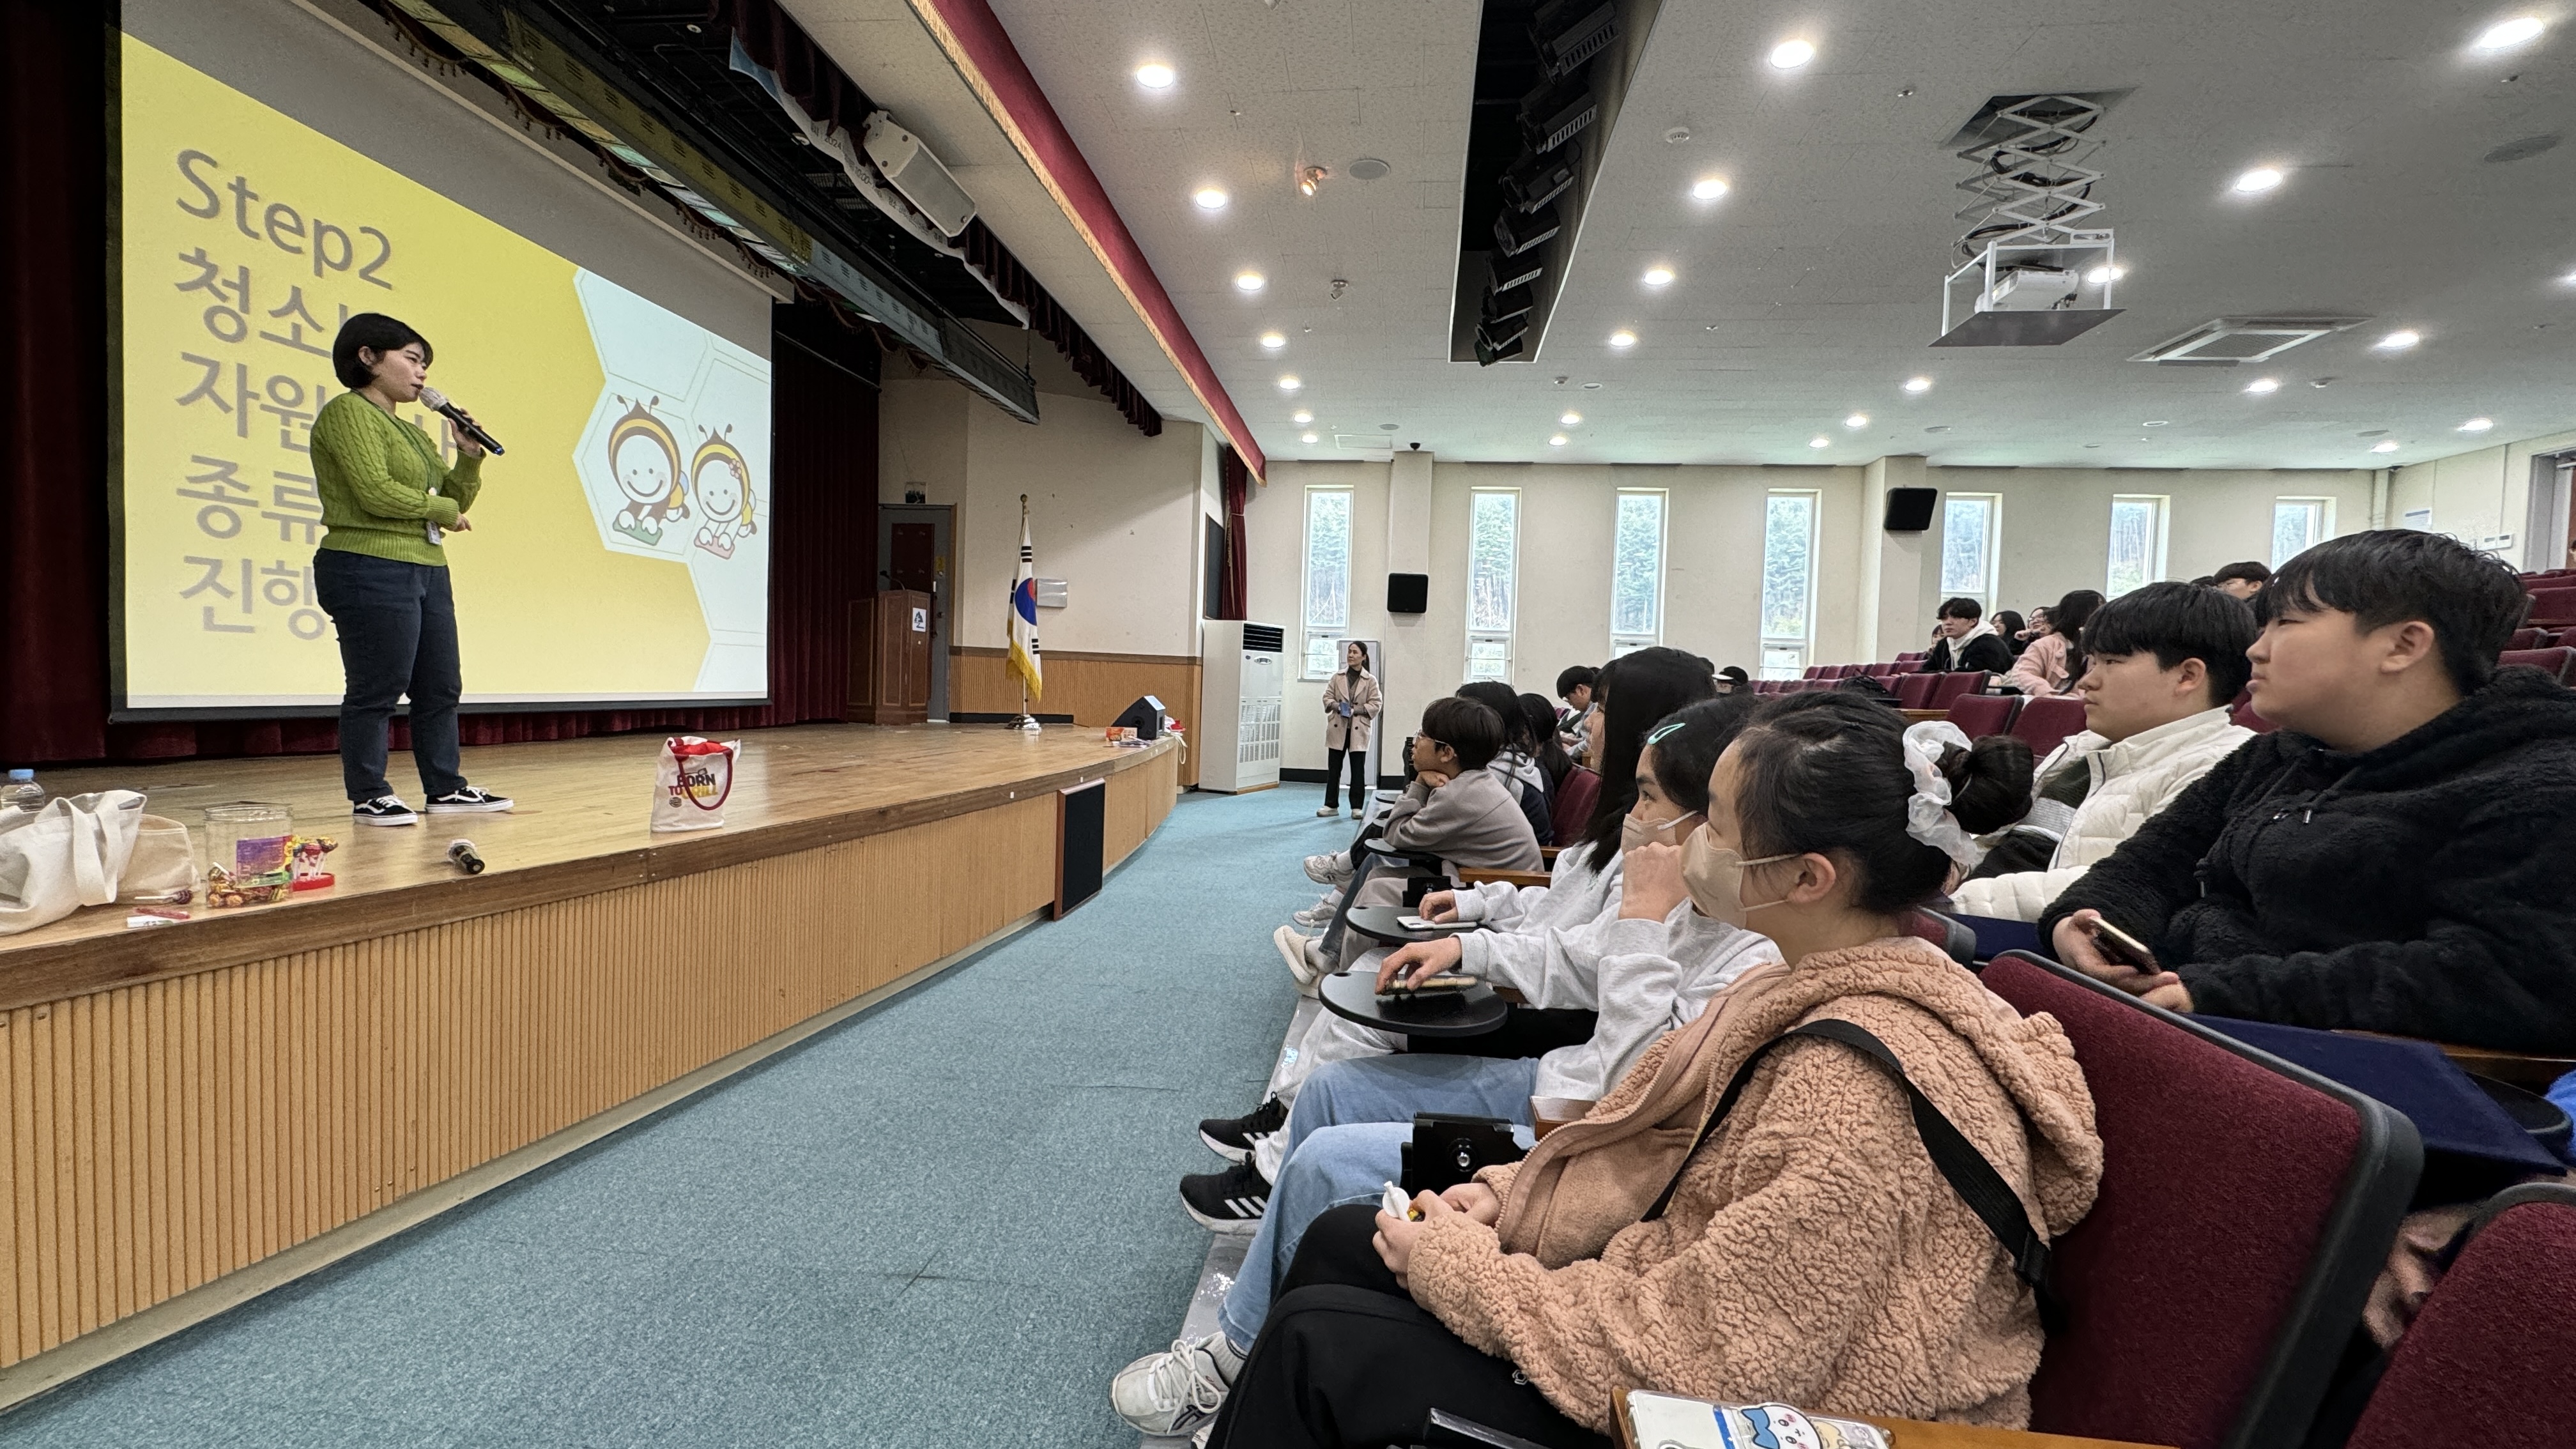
(1351, 704)
(1803, 1249)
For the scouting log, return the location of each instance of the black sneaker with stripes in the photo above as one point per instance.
(1231, 1137)
(1231, 1201)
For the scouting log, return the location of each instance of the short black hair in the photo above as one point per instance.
(2473, 601)
(1467, 726)
(1634, 691)
(1962, 609)
(1824, 772)
(1688, 741)
(1734, 674)
(1574, 677)
(1539, 717)
(1505, 702)
(2250, 571)
(2205, 581)
(377, 333)
(2175, 622)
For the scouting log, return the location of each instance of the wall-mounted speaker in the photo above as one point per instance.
(1909, 510)
(1408, 593)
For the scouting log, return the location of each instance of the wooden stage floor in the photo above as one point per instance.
(580, 826)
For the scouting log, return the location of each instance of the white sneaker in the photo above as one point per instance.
(1329, 810)
(1313, 916)
(1177, 1391)
(1327, 869)
(1358, 814)
(1299, 952)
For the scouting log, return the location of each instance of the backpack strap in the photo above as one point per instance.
(1974, 1178)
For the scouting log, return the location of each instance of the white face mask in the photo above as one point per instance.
(1715, 876)
(1634, 832)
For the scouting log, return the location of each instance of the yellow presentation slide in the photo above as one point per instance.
(619, 551)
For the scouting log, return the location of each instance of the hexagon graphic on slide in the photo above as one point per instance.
(674, 463)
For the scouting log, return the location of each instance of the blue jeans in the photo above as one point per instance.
(397, 627)
(1346, 1139)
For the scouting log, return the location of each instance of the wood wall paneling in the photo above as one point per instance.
(1093, 688)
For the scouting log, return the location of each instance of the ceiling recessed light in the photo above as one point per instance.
(1209, 198)
(1558, 441)
(2506, 34)
(1918, 384)
(2398, 341)
(2099, 275)
(1290, 383)
(2157, 423)
(1153, 75)
(1306, 437)
(2262, 385)
(2477, 425)
(2257, 181)
(1249, 281)
(1857, 420)
(1938, 428)
(1301, 417)
(1659, 276)
(1569, 420)
(1708, 188)
(1592, 387)
(1274, 340)
(1791, 54)
(1623, 339)
(1820, 442)
(2384, 445)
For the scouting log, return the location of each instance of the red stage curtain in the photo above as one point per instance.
(1236, 481)
(54, 586)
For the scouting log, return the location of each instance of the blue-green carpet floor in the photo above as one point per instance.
(943, 1223)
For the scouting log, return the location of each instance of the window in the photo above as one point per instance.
(1637, 571)
(1493, 566)
(1328, 578)
(2137, 542)
(2299, 524)
(1788, 583)
(1968, 546)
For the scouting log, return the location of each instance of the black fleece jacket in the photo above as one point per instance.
(2426, 888)
(1982, 651)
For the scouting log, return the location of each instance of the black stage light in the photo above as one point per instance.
(1552, 115)
(1503, 306)
(1487, 354)
(1566, 33)
(1510, 272)
(1534, 180)
(1516, 234)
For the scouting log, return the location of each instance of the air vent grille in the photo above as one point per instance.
(1265, 639)
(2228, 341)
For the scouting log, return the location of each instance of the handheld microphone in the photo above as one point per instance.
(437, 402)
(461, 855)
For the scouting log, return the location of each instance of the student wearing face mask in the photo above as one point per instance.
(1344, 1139)
(1799, 1245)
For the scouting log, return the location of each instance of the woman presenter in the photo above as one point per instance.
(388, 498)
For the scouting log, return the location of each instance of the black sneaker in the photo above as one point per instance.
(1229, 1202)
(383, 810)
(1231, 1137)
(472, 800)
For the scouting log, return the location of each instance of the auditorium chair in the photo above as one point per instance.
(2243, 714)
(2246, 1206)
(2557, 663)
(2045, 722)
(1979, 715)
(1914, 691)
(1911, 660)
(1846, 671)
(1576, 794)
(2528, 639)
(1948, 687)
(2491, 1355)
(2552, 608)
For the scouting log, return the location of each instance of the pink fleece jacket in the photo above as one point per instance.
(1813, 1254)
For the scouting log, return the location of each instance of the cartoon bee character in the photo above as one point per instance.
(645, 460)
(720, 481)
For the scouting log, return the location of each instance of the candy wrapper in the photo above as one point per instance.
(1668, 1421)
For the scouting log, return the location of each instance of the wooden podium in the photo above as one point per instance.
(890, 658)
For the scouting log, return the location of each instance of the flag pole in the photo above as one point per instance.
(1026, 720)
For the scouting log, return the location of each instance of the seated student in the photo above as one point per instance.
(2010, 629)
(1733, 680)
(2241, 580)
(2394, 857)
(1574, 686)
(1516, 763)
(1456, 809)
(2166, 660)
(1960, 642)
(1545, 747)
(2053, 661)
(1805, 1248)
(1658, 966)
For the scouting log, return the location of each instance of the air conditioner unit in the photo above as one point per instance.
(2229, 341)
(1243, 682)
(913, 171)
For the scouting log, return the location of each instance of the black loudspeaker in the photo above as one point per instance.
(1909, 510)
(1408, 593)
(1145, 717)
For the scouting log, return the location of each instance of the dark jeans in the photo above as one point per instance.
(397, 626)
(1333, 779)
(1347, 1358)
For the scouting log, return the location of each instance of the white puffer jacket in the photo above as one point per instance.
(2132, 780)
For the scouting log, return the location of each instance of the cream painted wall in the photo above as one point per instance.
(2480, 495)
(1113, 513)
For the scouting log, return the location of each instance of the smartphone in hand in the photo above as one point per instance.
(2122, 947)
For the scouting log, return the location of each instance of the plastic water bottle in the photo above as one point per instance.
(22, 791)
